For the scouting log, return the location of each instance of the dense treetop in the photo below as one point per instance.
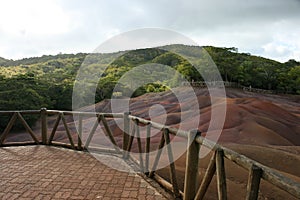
(47, 81)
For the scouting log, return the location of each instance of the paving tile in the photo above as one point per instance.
(45, 172)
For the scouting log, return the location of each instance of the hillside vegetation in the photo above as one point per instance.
(47, 81)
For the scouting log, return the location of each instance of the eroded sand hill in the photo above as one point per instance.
(250, 118)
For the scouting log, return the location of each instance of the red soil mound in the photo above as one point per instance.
(263, 120)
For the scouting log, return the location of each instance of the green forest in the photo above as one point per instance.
(47, 81)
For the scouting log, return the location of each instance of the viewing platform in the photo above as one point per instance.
(46, 172)
(43, 167)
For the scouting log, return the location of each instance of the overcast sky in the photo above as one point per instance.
(269, 28)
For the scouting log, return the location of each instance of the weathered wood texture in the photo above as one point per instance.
(44, 127)
(191, 170)
(253, 183)
(221, 177)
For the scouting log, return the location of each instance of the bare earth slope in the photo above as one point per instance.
(251, 118)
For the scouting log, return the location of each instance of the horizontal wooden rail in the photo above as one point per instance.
(172, 130)
(53, 112)
(165, 184)
(86, 114)
(9, 112)
(13, 144)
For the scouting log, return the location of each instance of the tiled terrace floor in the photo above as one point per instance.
(44, 172)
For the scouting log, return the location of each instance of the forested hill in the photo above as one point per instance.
(34, 60)
(3, 61)
(47, 81)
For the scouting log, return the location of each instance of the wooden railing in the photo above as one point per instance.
(227, 84)
(204, 84)
(132, 125)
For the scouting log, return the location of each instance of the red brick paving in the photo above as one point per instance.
(44, 172)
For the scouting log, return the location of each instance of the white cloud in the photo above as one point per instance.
(33, 17)
(285, 41)
(278, 51)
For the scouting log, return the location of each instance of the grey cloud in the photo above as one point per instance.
(189, 15)
(248, 25)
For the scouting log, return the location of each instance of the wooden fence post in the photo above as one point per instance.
(253, 183)
(79, 142)
(148, 139)
(191, 172)
(221, 177)
(44, 125)
(172, 164)
(126, 132)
